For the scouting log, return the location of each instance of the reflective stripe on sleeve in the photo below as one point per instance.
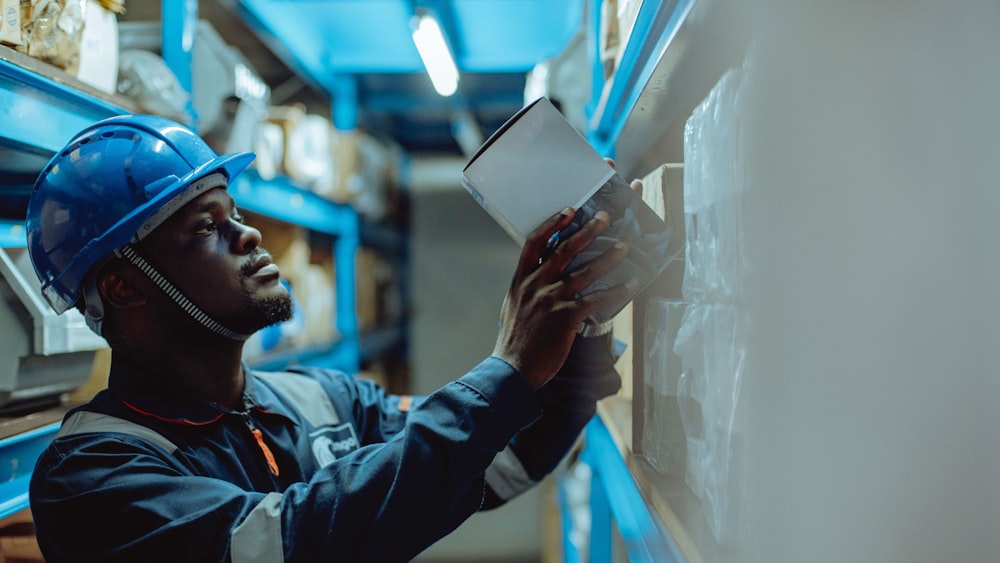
(258, 538)
(506, 476)
(307, 395)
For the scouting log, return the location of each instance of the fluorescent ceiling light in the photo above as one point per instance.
(435, 54)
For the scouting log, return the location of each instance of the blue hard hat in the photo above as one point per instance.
(94, 195)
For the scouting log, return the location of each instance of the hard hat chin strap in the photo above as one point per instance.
(190, 308)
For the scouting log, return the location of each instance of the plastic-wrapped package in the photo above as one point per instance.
(713, 184)
(663, 431)
(712, 339)
(712, 342)
(145, 78)
(269, 144)
(307, 149)
(53, 31)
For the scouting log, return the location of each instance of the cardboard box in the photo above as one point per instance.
(99, 49)
(622, 325)
(663, 191)
(347, 166)
(10, 27)
(366, 288)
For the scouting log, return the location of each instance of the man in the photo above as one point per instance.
(191, 456)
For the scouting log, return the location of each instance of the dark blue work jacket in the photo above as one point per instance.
(317, 466)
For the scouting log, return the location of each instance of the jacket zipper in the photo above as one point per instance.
(272, 464)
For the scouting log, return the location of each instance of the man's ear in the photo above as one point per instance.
(118, 288)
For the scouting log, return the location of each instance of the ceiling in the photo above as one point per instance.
(355, 60)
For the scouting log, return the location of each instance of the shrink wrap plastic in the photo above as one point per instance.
(711, 340)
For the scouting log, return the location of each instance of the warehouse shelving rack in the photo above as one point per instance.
(675, 53)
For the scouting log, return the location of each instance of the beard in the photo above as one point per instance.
(259, 312)
(269, 311)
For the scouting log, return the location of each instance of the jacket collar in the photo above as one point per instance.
(126, 382)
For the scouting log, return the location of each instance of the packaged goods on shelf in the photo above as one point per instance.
(307, 145)
(77, 36)
(10, 26)
(663, 429)
(377, 294)
(366, 294)
(347, 162)
(371, 197)
(228, 96)
(146, 79)
(663, 191)
(608, 41)
(318, 294)
(364, 173)
(286, 118)
(307, 150)
(99, 48)
(622, 330)
(269, 144)
(52, 31)
(628, 10)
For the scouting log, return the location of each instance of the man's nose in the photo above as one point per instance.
(245, 238)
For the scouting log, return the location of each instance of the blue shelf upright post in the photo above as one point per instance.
(180, 20)
(345, 249)
(614, 495)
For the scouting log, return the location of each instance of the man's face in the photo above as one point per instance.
(214, 259)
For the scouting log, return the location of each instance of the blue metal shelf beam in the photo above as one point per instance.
(39, 113)
(20, 452)
(656, 25)
(12, 234)
(284, 200)
(613, 493)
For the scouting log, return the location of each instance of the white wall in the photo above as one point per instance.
(871, 402)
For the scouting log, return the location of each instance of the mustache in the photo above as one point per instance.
(248, 267)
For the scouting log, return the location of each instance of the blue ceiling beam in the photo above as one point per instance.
(404, 102)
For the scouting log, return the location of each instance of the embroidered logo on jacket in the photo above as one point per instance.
(333, 442)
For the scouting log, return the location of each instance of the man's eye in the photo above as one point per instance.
(207, 227)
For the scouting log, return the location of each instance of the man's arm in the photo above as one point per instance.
(569, 401)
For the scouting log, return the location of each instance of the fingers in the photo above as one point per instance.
(537, 241)
(605, 298)
(568, 248)
(637, 187)
(593, 270)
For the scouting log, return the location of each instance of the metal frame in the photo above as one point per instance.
(615, 498)
(656, 25)
(20, 452)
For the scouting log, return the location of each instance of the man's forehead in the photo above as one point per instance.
(208, 201)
